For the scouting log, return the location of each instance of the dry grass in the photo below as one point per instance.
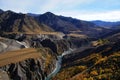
(36, 33)
(18, 55)
(77, 35)
(78, 31)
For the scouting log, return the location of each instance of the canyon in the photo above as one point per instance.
(53, 47)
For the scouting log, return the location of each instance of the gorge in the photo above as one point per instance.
(53, 47)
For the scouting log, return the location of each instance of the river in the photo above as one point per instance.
(58, 64)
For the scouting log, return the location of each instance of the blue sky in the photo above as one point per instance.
(107, 10)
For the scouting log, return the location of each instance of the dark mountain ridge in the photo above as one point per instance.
(70, 25)
(18, 22)
(106, 24)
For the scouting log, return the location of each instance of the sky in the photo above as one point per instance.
(106, 10)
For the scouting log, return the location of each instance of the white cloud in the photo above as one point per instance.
(106, 16)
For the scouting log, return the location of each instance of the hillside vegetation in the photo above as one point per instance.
(104, 68)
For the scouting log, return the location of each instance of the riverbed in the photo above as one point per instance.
(58, 64)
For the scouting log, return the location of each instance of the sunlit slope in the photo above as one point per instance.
(23, 54)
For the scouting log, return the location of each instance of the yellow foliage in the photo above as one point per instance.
(93, 73)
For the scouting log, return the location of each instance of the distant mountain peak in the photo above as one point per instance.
(106, 24)
(49, 13)
(32, 14)
(9, 11)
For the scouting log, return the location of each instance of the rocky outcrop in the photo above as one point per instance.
(59, 46)
(31, 64)
(26, 70)
(4, 75)
(10, 44)
(41, 36)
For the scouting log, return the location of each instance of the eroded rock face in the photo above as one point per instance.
(42, 36)
(10, 44)
(35, 68)
(26, 70)
(38, 68)
(58, 46)
(3, 75)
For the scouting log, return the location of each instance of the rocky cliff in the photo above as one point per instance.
(28, 63)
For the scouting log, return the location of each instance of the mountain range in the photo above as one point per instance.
(18, 22)
(69, 25)
(113, 25)
(51, 47)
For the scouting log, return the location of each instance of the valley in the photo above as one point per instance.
(53, 47)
